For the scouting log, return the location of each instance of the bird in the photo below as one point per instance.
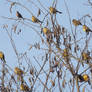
(19, 15)
(53, 10)
(18, 71)
(86, 56)
(2, 57)
(36, 20)
(76, 22)
(46, 30)
(84, 78)
(86, 29)
(65, 52)
(24, 87)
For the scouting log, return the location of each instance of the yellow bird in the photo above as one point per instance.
(53, 10)
(65, 52)
(18, 71)
(46, 30)
(2, 57)
(76, 22)
(85, 77)
(85, 56)
(24, 87)
(36, 20)
(86, 29)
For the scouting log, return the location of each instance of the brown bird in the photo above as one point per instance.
(54, 10)
(76, 22)
(19, 15)
(24, 87)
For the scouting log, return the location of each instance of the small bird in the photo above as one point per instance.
(36, 20)
(76, 22)
(86, 29)
(18, 71)
(84, 78)
(54, 11)
(46, 30)
(65, 53)
(86, 56)
(19, 15)
(2, 57)
(24, 87)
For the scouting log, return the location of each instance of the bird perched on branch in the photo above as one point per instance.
(46, 30)
(2, 57)
(86, 29)
(24, 87)
(54, 10)
(18, 71)
(84, 78)
(65, 53)
(76, 22)
(19, 15)
(86, 56)
(36, 20)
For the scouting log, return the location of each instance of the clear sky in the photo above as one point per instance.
(77, 9)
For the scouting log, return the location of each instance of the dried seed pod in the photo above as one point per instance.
(53, 83)
(56, 64)
(51, 70)
(32, 71)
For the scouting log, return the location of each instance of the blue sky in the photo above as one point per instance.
(77, 9)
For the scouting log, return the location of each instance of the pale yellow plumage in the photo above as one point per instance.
(46, 30)
(53, 10)
(86, 28)
(86, 77)
(2, 57)
(65, 52)
(35, 20)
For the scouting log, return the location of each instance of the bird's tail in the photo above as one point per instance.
(59, 12)
(40, 21)
(90, 30)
